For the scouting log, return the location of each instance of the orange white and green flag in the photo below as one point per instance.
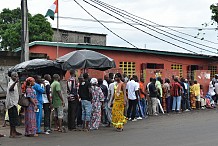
(52, 10)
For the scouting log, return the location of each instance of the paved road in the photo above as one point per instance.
(195, 128)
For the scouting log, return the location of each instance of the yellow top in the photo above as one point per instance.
(196, 89)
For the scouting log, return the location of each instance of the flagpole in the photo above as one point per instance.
(57, 55)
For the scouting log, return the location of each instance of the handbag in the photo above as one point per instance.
(23, 101)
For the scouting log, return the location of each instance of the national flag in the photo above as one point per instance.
(52, 10)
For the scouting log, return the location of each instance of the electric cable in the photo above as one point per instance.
(141, 29)
(164, 31)
(154, 22)
(131, 43)
(104, 25)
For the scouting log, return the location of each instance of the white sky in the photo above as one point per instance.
(185, 13)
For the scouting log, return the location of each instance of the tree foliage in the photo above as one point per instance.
(11, 29)
(214, 9)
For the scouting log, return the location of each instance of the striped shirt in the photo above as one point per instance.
(176, 89)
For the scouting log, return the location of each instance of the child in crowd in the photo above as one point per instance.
(209, 101)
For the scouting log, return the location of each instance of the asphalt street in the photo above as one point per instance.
(195, 128)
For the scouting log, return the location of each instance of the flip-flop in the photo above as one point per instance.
(76, 129)
(2, 135)
(119, 130)
(86, 130)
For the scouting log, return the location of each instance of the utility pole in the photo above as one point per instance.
(25, 32)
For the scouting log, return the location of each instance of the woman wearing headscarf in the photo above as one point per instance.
(118, 102)
(30, 115)
(97, 100)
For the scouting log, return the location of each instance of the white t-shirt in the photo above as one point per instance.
(132, 86)
(110, 93)
(216, 88)
(44, 95)
(12, 97)
(105, 83)
(211, 89)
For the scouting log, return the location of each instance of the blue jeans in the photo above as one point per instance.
(86, 110)
(143, 105)
(39, 118)
(176, 103)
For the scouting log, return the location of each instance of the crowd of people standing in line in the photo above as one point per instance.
(111, 101)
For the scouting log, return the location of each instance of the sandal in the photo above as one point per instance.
(86, 130)
(2, 135)
(76, 129)
(119, 129)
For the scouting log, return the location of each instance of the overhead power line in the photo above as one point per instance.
(125, 12)
(141, 29)
(156, 56)
(117, 22)
(104, 25)
(148, 26)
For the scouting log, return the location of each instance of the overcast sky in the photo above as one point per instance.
(188, 14)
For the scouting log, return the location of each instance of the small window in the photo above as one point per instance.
(128, 68)
(87, 39)
(213, 70)
(155, 66)
(177, 67)
(64, 37)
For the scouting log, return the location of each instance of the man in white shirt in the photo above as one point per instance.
(216, 91)
(47, 105)
(149, 110)
(105, 81)
(11, 104)
(133, 93)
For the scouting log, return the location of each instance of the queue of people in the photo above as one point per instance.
(93, 102)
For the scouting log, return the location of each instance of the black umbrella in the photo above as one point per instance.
(40, 66)
(82, 59)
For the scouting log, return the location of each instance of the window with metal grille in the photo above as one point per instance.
(213, 70)
(64, 37)
(177, 67)
(87, 39)
(128, 68)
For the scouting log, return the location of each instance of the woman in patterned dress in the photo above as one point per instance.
(30, 115)
(118, 102)
(97, 100)
(192, 96)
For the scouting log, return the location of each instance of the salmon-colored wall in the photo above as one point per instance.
(120, 56)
